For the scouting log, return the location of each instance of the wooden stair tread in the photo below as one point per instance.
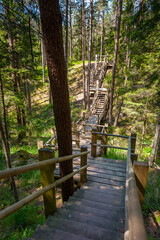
(83, 229)
(86, 218)
(49, 233)
(95, 208)
(101, 197)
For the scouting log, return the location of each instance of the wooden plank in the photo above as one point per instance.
(101, 197)
(82, 229)
(106, 181)
(89, 219)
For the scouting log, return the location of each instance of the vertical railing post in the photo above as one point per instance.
(53, 142)
(133, 144)
(83, 131)
(47, 177)
(94, 142)
(77, 135)
(83, 163)
(104, 142)
(40, 144)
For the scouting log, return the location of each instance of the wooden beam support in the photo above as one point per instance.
(47, 178)
(133, 142)
(83, 163)
(94, 142)
(77, 135)
(141, 173)
(104, 142)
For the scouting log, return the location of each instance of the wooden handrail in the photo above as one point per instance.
(50, 140)
(109, 146)
(134, 228)
(112, 135)
(6, 212)
(18, 170)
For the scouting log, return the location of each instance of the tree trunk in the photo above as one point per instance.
(102, 33)
(52, 31)
(83, 50)
(158, 150)
(89, 54)
(43, 58)
(70, 20)
(96, 33)
(8, 160)
(66, 36)
(114, 63)
(155, 142)
(118, 112)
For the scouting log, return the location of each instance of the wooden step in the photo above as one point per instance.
(104, 223)
(100, 197)
(48, 233)
(94, 208)
(83, 229)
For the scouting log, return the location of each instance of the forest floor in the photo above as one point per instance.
(23, 223)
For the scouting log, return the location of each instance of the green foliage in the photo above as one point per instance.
(152, 194)
(116, 154)
(22, 223)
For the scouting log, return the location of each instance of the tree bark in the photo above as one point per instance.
(114, 63)
(102, 33)
(89, 54)
(8, 159)
(96, 33)
(83, 50)
(66, 36)
(52, 31)
(70, 20)
(155, 142)
(118, 112)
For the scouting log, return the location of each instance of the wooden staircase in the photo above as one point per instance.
(96, 211)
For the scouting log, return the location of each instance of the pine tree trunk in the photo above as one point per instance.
(114, 63)
(155, 142)
(7, 157)
(83, 50)
(96, 33)
(89, 54)
(66, 36)
(118, 112)
(102, 33)
(70, 20)
(52, 31)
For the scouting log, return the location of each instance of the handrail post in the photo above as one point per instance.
(47, 177)
(133, 144)
(83, 131)
(53, 142)
(83, 163)
(77, 135)
(40, 144)
(94, 141)
(104, 142)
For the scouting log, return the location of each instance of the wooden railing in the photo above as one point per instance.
(134, 223)
(136, 179)
(47, 167)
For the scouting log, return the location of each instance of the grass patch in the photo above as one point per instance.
(116, 154)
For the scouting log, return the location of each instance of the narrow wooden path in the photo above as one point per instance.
(96, 210)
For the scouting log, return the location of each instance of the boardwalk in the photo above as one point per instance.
(96, 210)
